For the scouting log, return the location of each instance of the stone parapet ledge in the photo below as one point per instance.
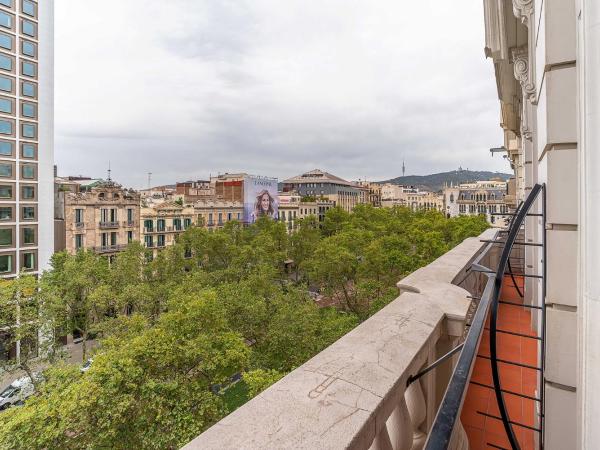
(343, 396)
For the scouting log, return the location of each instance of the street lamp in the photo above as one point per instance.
(497, 150)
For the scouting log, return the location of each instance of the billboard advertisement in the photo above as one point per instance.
(261, 198)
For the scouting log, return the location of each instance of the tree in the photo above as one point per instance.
(23, 327)
(74, 293)
(150, 391)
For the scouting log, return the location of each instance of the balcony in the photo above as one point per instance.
(129, 224)
(109, 225)
(354, 394)
(109, 248)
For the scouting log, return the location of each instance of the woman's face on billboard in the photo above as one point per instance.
(265, 202)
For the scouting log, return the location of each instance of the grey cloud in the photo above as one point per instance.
(273, 88)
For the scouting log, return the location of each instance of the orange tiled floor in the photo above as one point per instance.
(483, 430)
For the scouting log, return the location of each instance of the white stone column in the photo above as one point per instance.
(588, 400)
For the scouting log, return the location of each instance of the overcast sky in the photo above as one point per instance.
(189, 88)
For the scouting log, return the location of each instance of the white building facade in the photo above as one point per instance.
(26, 136)
(545, 56)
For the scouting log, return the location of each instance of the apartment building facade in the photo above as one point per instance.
(292, 209)
(102, 216)
(479, 198)
(160, 225)
(320, 184)
(214, 214)
(26, 136)
(545, 59)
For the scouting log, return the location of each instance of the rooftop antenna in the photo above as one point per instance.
(149, 180)
(403, 168)
(109, 172)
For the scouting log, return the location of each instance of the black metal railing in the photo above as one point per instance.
(444, 426)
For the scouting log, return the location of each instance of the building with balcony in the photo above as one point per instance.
(293, 207)
(481, 197)
(318, 183)
(101, 216)
(214, 214)
(161, 224)
(26, 136)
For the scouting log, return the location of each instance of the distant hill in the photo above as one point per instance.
(436, 181)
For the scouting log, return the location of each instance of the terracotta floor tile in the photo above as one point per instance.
(475, 438)
(521, 380)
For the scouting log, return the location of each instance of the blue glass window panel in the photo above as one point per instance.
(29, 130)
(5, 20)
(28, 192)
(6, 3)
(6, 106)
(5, 62)
(28, 48)
(28, 69)
(6, 41)
(6, 127)
(28, 89)
(28, 110)
(5, 84)
(28, 172)
(28, 151)
(28, 8)
(6, 148)
(28, 28)
(5, 170)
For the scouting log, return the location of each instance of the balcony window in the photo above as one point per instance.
(6, 263)
(6, 237)
(113, 238)
(187, 223)
(129, 215)
(177, 224)
(160, 225)
(78, 241)
(148, 225)
(129, 237)
(149, 241)
(161, 240)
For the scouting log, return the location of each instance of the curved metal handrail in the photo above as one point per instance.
(497, 289)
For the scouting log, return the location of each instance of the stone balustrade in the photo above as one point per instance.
(354, 393)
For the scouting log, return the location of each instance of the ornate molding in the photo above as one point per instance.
(522, 73)
(523, 10)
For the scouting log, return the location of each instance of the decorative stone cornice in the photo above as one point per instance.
(522, 73)
(523, 10)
